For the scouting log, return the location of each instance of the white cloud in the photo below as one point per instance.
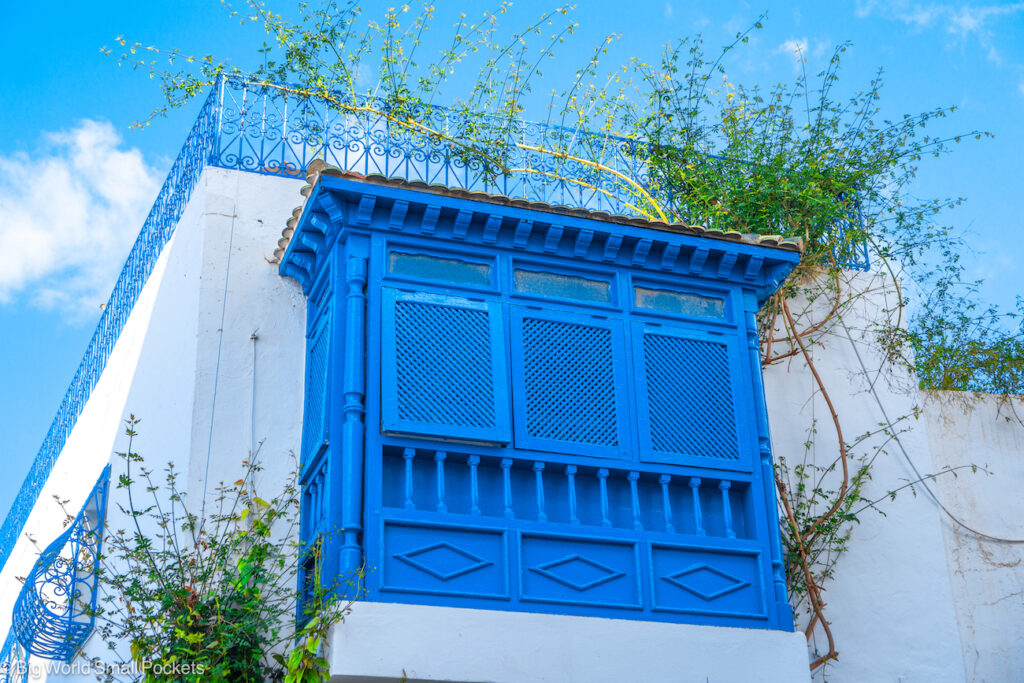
(797, 48)
(669, 11)
(864, 8)
(960, 21)
(68, 216)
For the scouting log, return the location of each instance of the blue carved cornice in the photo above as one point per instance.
(340, 200)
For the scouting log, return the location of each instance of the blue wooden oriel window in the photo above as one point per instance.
(536, 411)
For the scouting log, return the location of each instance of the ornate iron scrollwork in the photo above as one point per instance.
(54, 613)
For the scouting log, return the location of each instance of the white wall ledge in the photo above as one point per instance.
(381, 642)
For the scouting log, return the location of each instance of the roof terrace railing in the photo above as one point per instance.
(271, 130)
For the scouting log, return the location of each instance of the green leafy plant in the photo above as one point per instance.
(211, 596)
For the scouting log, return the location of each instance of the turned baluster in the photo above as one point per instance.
(666, 503)
(635, 496)
(570, 472)
(602, 477)
(727, 508)
(474, 485)
(439, 458)
(698, 518)
(538, 469)
(506, 476)
(407, 455)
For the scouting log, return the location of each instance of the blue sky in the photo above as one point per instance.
(76, 183)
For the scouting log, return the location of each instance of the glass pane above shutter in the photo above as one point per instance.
(543, 283)
(441, 268)
(443, 367)
(679, 303)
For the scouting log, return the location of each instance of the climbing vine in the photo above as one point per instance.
(796, 160)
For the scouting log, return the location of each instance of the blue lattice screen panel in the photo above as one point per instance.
(314, 422)
(445, 367)
(568, 378)
(690, 413)
(570, 382)
(444, 343)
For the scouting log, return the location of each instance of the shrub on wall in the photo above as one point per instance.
(210, 594)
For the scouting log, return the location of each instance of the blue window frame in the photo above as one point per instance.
(443, 366)
(570, 391)
(689, 401)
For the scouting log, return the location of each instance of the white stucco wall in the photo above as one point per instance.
(247, 391)
(987, 574)
(381, 642)
(890, 603)
(913, 599)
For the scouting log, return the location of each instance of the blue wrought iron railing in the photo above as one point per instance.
(55, 611)
(269, 130)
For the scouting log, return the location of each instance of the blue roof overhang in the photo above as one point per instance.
(339, 203)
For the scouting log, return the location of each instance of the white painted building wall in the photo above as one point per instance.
(164, 368)
(890, 603)
(208, 392)
(987, 574)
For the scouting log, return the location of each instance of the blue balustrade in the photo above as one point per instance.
(13, 661)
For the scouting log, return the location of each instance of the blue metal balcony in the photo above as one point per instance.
(55, 611)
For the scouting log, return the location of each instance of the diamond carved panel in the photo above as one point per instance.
(443, 560)
(706, 582)
(577, 572)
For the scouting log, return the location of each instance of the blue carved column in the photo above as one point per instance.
(353, 414)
